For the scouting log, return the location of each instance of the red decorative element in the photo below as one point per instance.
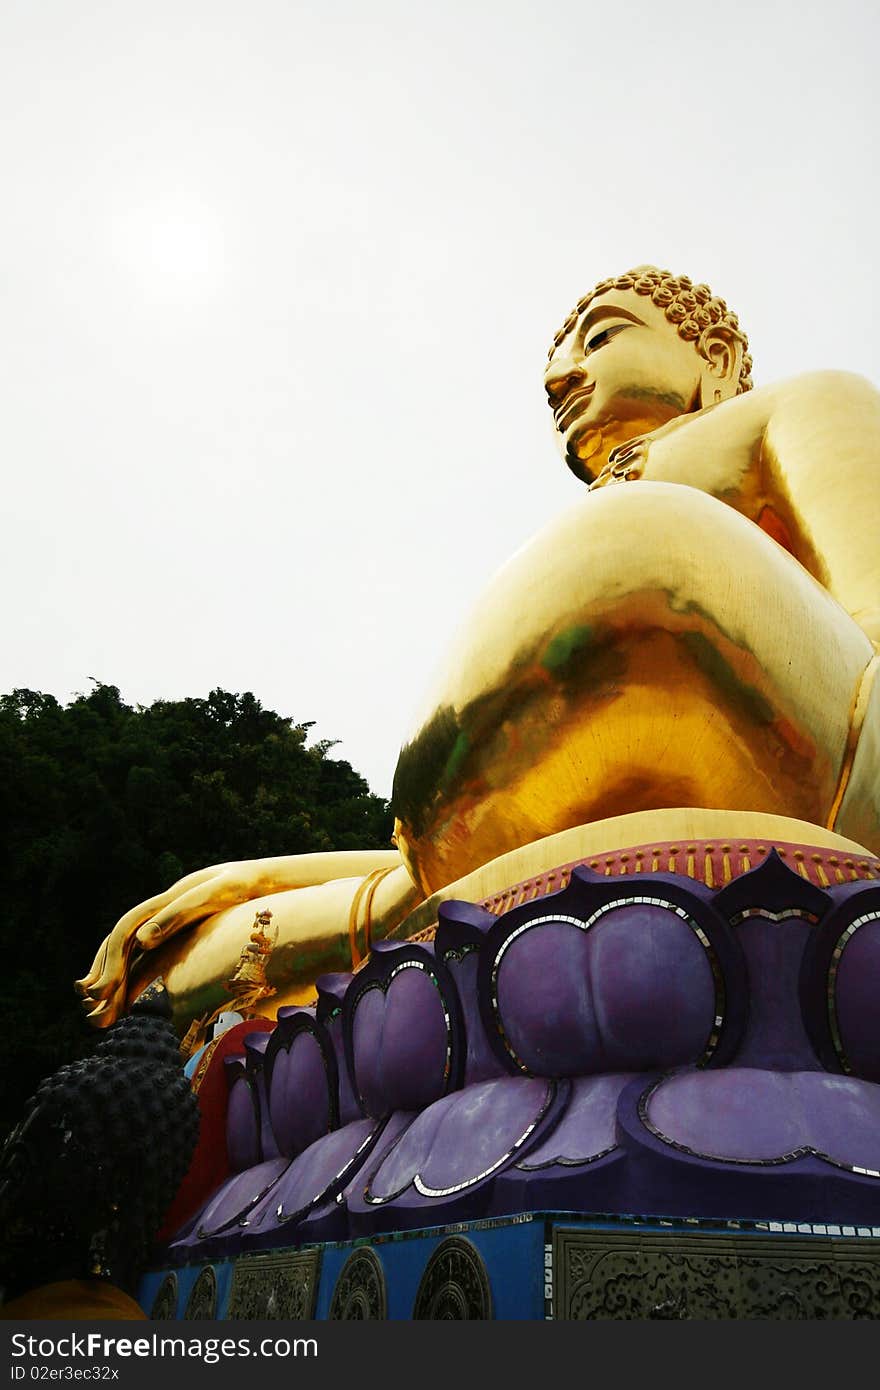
(210, 1163)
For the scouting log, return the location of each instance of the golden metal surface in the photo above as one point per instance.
(859, 810)
(858, 713)
(657, 646)
(311, 927)
(209, 894)
(655, 675)
(681, 824)
(699, 640)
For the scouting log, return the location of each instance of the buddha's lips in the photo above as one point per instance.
(570, 404)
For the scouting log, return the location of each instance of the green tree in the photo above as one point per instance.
(106, 804)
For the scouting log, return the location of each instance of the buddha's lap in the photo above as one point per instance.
(652, 648)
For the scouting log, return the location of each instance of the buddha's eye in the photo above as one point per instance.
(600, 339)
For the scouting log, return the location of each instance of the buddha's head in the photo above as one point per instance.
(636, 352)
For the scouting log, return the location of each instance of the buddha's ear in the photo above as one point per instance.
(721, 350)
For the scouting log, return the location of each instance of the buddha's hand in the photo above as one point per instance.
(626, 463)
(189, 900)
(201, 895)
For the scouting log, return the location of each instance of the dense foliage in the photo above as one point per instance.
(105, 804)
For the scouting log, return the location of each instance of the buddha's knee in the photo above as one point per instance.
(856, 813)
(638, 654)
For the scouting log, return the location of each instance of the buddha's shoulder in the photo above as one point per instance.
(819, 398)
(828, 387)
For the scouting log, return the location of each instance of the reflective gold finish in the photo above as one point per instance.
(704, 639)
(311, 927)
(658, 674)
(859, 810)
(652, 377)
(594, 842)
(208, 894)
(652, 647)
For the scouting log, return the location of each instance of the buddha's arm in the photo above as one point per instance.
(201, 895)
(821, 460)
(315, 930)
(803, 461)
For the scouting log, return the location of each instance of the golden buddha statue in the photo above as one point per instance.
(692, 655)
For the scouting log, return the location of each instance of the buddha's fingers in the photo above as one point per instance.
(137, 916)
(224, 889)
(103, 999)
(115, 948)
(108, 971)
(97, 969)
(111, 953)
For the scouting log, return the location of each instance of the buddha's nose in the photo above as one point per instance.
(562, 374)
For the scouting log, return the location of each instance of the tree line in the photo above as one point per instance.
(107, 803)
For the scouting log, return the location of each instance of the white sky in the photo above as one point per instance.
(277, 281)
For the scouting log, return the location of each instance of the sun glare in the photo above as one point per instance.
(176, 251)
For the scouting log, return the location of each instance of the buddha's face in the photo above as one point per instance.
(622, 371)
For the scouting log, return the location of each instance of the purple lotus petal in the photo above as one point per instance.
(462, 1138)
(480, 1061)
(633, 992)
(775, 1034)
(349, 1109)
(759, 1116)
(858, 974)
(313, 1171)
(242, 1137)
(588, 1127)
(400, 1042)
(234, 1198)
(300, 1096)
